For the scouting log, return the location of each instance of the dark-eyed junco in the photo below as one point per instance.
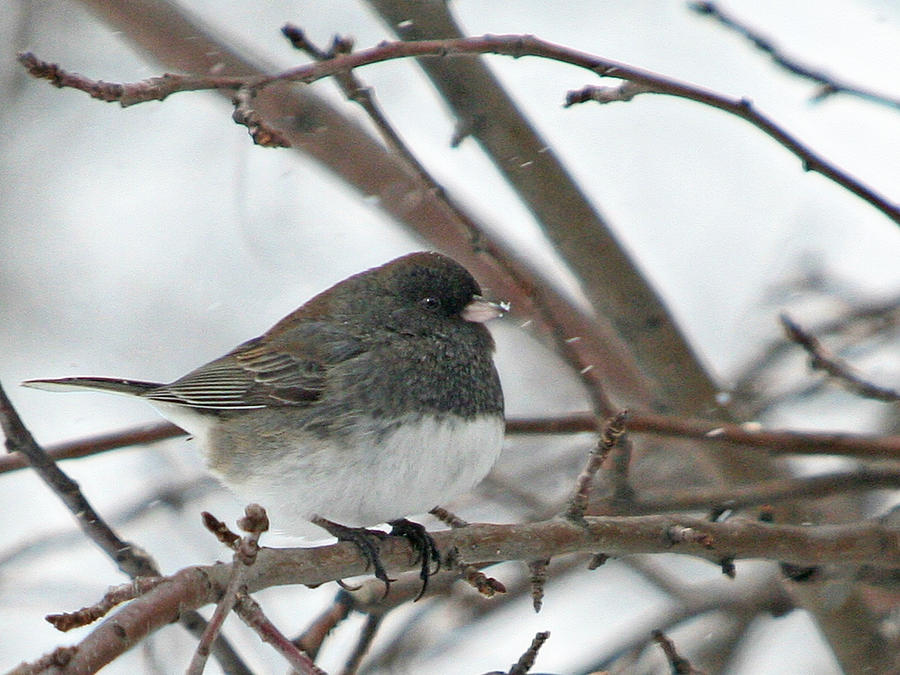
(376, 399)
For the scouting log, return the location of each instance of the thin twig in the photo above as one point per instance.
(92, 445)
(310, 641)
(820, 359)
(481, 582)
(613, 429)
(246, 548)
(158, 88)
(366, 636)
(112, 598)
(447, 517)
(251, 613)
(526, 661)
(780, 441)
(130, 559)
(363, 95)
(765, 492)
(537, 578)
(679, 664)
(244, 114)
(829, 84)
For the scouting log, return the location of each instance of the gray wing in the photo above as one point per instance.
(285, 369)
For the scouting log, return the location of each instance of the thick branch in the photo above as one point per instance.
(868, 543)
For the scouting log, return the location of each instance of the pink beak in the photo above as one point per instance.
(481, 310)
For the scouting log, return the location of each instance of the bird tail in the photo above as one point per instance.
(107, 384)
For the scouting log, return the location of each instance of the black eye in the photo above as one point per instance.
(431, 302)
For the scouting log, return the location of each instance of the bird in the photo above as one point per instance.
(377, 399)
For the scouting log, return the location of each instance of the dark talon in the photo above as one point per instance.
(423, 544)
(365, 540)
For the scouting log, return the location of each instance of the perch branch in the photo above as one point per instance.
(866, 543)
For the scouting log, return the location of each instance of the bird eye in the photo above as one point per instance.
(430, 302)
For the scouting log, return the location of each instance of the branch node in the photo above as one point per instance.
(597, 560)
(678, 534)
(448, 517)
(222, 532)
(538, 578)
(261, 133)
(485, 585)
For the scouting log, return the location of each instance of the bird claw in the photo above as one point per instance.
(368, 541)
(423, 544)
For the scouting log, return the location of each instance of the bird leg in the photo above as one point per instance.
(368, 541)
(423, 544)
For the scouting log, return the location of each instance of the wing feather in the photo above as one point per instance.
(289, 368)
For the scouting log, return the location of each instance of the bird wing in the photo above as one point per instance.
(288, 368)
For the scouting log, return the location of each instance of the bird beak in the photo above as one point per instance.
(480, 310)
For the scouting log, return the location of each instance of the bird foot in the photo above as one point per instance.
(423, 544)
(368, 542)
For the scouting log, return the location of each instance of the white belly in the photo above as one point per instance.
(413, 468)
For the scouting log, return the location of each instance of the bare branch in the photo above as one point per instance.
(254, 523)
(820, 359)
(508, 45)
(114, 596)
(537, 577)
(251, 614)
(829, 84)
(141, 435)
(366, 636)
(526, 661)
(772, 440)
(765, 492)
(866, 543)
(130, 559)
(613, 429)
(679, 664)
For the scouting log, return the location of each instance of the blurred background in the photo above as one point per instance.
(142, 242)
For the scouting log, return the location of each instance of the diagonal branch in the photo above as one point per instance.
(829, 84)
(132, 560)
(820, 359)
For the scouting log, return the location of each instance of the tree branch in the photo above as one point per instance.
(869, 543)
(776, 441)
(829, 84)
(820, 359)
(517, 46)
(130, 559)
